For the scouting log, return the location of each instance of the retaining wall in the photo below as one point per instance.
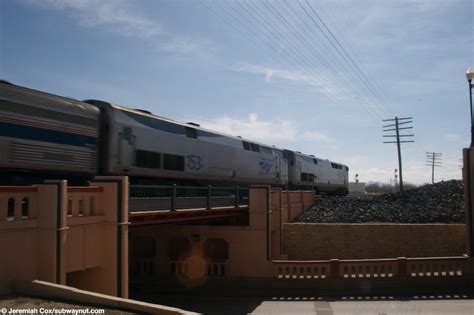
(364, 241)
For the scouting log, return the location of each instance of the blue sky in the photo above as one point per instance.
(266, 70)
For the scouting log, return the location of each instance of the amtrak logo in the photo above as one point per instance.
(266, 165)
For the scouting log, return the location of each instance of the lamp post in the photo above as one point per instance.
(469, 76)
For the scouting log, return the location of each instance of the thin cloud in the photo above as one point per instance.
(324, 83)
(293, 76)
(453, 137)
(202, 49)
(116, 16)
(123, 19)
(276, 131)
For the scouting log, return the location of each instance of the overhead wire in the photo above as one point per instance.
(364, 63)
(295, 49)
(350, 59)
(313, 49)
(302, 53)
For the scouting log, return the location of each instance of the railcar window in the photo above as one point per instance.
(304, 177)
(191, 132)
(310, 177)
(255, 147)
(173, 162)
(246, 145)
(266, 150)
(147, 159)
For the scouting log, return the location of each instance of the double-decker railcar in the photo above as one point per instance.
(46, 133)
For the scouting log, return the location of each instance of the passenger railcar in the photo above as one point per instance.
(46, 133)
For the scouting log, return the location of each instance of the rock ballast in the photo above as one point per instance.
(441, 202)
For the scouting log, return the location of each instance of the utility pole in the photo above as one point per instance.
(397, 122)
(433, 159)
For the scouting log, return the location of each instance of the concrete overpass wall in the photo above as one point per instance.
(66, 235)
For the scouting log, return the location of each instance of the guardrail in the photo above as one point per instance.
(174, 197)
(371, 268)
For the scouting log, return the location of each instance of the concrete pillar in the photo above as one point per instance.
(261, 214)
(52, 223)
(114, 203)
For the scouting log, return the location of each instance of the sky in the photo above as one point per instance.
(313, 76)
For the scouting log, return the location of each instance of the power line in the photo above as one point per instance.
(350, 59)
(306, 53)
(321, 57)
(301, 61)
(396, 124)
(353, 67)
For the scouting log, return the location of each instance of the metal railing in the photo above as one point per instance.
(174, 197)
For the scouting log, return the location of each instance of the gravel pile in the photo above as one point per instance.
(442, 202)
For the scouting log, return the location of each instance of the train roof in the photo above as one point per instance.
(195, 126)
(191, 125)
(26, 96)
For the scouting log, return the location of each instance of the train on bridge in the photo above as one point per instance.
(46, 136)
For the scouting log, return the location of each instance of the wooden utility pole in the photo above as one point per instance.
(395, 126)
(433, 159)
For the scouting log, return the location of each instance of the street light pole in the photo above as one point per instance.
(469, 76)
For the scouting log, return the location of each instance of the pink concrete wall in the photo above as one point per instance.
(87, 233)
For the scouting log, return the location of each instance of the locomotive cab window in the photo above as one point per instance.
(191, 132)
(246, 145)
(173, 162)
(315, 161)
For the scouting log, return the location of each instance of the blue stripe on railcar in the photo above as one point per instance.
(46, 135)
